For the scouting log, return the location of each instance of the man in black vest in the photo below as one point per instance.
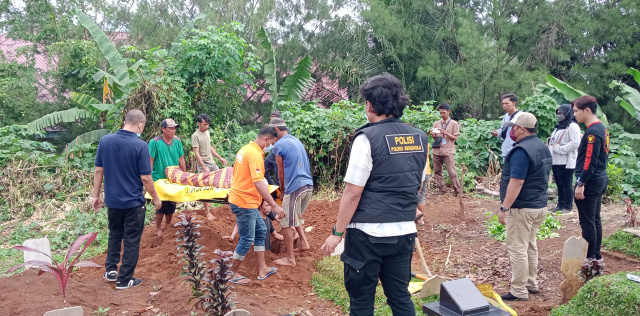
(523, 192)
(386, 168)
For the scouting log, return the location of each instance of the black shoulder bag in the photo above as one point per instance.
(438, 141)
(504, 130)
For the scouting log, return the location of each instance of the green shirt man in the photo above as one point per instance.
(164, 155)
(166, 150)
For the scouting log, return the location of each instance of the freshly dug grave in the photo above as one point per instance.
(473, 254)
(284, 292)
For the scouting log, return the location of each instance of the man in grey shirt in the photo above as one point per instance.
(509, 105)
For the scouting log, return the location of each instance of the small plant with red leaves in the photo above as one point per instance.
(591, 268)
(62, 271)
(190, 253)
(633, 213)
(217, 298)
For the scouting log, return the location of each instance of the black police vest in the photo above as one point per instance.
(399, 154)
(534, 190)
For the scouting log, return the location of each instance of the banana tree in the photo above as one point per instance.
(562, 92)
(296, 84)
(630, 100)
(115, 84)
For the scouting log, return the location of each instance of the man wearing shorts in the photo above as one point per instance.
(248, 189)
(296, 186)
(166, 150)
(201, 144)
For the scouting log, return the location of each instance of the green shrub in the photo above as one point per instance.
(612, 294)
(476, 147)
(616, 178)
(498, 231)
(544, 108)
(624, 242)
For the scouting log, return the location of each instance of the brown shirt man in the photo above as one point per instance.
(447, 147)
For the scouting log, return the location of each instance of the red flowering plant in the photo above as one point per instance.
(62, 270)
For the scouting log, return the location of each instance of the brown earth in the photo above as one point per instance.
(473, 254)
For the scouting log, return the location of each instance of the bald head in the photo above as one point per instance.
(134, 121)
(134, 117)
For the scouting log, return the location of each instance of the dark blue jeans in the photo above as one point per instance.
(367, 259)
(125, 225)
(564, 180)
(589, 215)
(251, 229)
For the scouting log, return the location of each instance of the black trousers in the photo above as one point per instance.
(589, 215)
(125, 225)
(564, 180)
(367, 259)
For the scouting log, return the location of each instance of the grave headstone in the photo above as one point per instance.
(432, 286)
(575, 250)
(41, 244)
(238, 312)
(461, 298)
(69, 311)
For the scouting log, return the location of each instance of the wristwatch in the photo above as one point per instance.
(335, 233)
(503, 209)
(579, 184)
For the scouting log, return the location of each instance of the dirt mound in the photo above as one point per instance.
(286, 291)
(473, 254)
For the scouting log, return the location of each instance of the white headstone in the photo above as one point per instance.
(41, 244)
(70, 311)
(575, 250)
(238, 312)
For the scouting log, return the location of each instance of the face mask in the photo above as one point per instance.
(560, 117)
(512, 135)
(269, 148)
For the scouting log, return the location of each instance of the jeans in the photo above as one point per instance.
(367, 259)
(564, 180)
(438, 162)
(251, 229)
(589, 215)
(125, 225)
(521, 229)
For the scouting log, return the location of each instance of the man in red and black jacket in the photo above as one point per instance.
(591, 174)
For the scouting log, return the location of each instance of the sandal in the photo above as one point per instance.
(272, 271)
(240, 280)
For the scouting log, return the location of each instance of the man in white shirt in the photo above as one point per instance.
(509, 102)
(386, 167)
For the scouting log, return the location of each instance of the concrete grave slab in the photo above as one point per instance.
(41, 244)
(575, 250)
(69, 311)
(632, 230)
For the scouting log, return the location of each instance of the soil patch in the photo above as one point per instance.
(286, 291)
(473, 254)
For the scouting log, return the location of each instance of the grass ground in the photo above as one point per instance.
(623, 242)
(328, 283)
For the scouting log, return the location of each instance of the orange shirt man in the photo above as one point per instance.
(248, 188)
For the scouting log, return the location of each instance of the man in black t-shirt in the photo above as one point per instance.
(591, 175)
